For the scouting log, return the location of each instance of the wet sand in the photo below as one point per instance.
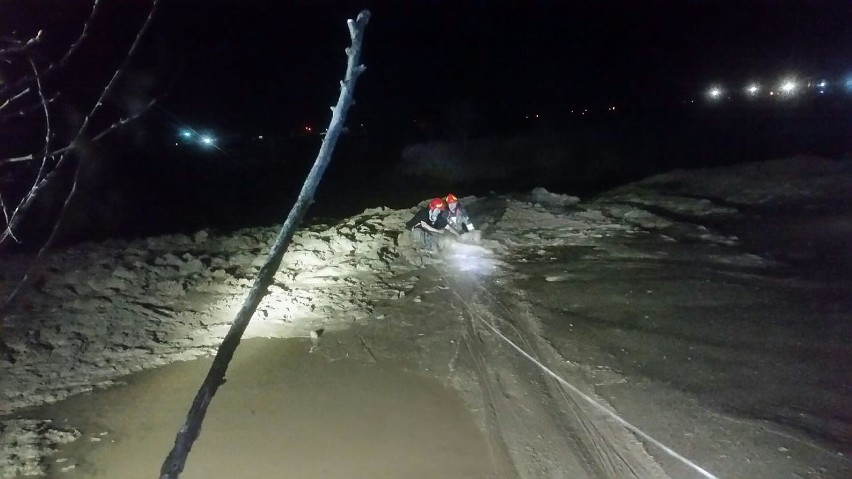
(281, 413)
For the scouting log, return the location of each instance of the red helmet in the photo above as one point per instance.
(437, 203)
(451, 198)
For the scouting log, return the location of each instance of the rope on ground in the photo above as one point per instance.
(597, 405)
(175, 461)
(571, 387)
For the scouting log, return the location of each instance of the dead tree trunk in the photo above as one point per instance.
(176, 460)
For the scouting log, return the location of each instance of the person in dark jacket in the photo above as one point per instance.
(456, 215)
(428, 224)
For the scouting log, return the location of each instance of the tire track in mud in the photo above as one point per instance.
(543, 430)
(503, 465)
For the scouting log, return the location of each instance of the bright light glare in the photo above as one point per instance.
(822, 84)
(207, 140)
(788, 86)
(715, 92)
(753, 89)
(185, 133)
(470, 258)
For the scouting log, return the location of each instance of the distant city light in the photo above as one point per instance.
(259, 137)
(715, 92)
(193, 137)
(788, 87)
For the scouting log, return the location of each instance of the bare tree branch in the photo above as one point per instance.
(74, 46)
(118, 72)
(9, 232)
(64, 60)
(175, 461)
(12, 99)
(6, 216)
(32, 156)
(99, 136)
(27, 110)
(33, 193)
(46, 122)
(19, 46)
(37, 263)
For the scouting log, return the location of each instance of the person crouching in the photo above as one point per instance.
(428, 224)
(456, 215)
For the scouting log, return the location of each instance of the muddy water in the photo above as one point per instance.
(281, 413)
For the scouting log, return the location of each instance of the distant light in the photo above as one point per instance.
(536, 115)
(753, 89)
(259, 137)
(715, 92)
(185, 133)
(788, 87)
(772, 93)
(822, 84)
(207, 140)
(309, 129)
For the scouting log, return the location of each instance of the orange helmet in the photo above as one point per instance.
(437, 203)
(451, 198)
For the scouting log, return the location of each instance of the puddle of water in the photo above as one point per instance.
(281, 413)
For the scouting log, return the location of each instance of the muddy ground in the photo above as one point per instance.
(709, 309)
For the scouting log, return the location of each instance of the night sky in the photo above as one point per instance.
(519, 54)
(269, 63)
(240, 69)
